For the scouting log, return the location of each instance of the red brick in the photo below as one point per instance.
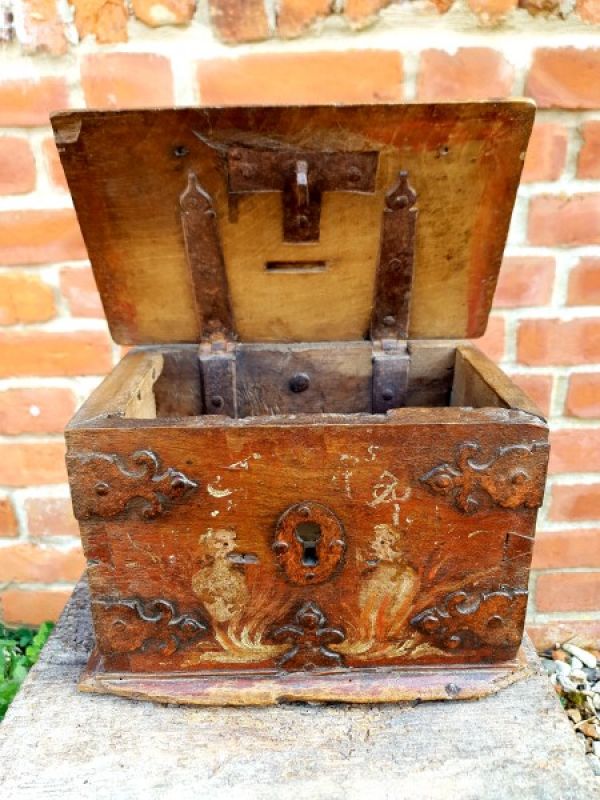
(294, 16)
(577, 503)
(79, 289)
(53, 165)
(350, 76)
(583, 395)
(32, 607)
(568, 591)
(50, 516)
(40, 237)
(589, 10)
(32, 463)
(492, 11)
(105, 19)
(542, 342)
(25, 298)
(575, 450)
(584, 633)
(524, 281)
(239, 22)
(543, 7)
(164, 12)
(42, 29)
(126, 80)
(473, 73)
(361, 12)
(38, 410)
(33, 563)
(8, 520)
(564, 219)
(538, 387)
(492, 342)
(52, 353)
(588, 163)
(17, 167)
(565, 77)
(584, 283)
(546, 153)
(556, 549)
(27, 103)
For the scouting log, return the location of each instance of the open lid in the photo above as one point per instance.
(297, 223)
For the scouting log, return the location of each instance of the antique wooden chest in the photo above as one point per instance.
(302, 483)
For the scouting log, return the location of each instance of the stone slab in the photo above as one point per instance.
(59, 743)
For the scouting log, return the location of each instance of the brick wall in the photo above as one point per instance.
(545, 328)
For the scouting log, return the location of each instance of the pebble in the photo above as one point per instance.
(575, 674)
(559, 655)
(589, 729)
(567, 684)
(586, 658)
(562, 668)
(578, 676)
(594, 763)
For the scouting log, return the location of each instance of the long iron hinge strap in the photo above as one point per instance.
(205, 261)
(394, 278)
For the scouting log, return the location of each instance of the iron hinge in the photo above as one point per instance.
(391, 361)
(218, 374)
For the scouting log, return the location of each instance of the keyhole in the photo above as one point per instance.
(308, 534)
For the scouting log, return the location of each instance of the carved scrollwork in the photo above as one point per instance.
(472, 619)
(137, 625)
(106, 487)
(514, 476)
(309, 636)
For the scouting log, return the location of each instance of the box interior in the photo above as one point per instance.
(166, 382)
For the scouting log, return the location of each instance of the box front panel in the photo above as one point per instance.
(259, 547)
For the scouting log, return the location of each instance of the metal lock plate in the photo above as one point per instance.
(309, 543)
(302, 176)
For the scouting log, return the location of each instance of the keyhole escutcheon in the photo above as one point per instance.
(308, 534)
(309, 543)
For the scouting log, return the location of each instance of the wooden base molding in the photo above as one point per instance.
(336, 686)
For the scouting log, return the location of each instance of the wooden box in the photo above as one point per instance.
(305, 483)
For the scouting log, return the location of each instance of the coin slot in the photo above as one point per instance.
(295, 266)
(308, 534)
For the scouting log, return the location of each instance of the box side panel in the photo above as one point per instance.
(237, 547)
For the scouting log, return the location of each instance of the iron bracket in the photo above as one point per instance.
(218, 377)
(391, 362)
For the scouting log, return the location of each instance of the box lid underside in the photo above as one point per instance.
(127, 170)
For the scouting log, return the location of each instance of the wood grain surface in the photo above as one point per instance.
(179, 516)
(127, 169)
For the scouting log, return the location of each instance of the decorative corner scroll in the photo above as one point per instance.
(105, 486)
(514, 476)
(309, 636)
(473, 619)
(150, 626)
